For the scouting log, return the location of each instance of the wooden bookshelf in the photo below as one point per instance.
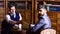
(29, 12)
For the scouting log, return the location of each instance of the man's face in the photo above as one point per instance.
(13, 9)
(41, 12)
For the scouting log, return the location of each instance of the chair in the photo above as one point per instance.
(48, 31)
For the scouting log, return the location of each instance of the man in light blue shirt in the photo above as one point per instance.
(44, 22)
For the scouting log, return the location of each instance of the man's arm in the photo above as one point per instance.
(20, 17)
(9, 20)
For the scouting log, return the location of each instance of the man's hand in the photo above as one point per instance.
(14, 22)
(15, 26)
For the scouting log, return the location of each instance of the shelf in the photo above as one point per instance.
(1, 0)
(19, 0)
(40, 0)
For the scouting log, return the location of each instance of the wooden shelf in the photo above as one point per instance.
(19, 0)
(1, 0)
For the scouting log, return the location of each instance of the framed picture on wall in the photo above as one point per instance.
(54, 8)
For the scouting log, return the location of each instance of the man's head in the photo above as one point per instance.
(12, 7)
(42, 11)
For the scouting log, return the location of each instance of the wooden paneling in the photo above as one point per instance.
(1, 0)
(26, 16)
(19, 0)
(58, 22)
(16, 0)
(33, 16)
(53, 0)
(49, 0)
(57, 0)
(36, 16)
(40, 0)
(55, 19)
(1, 13)
(22, 13)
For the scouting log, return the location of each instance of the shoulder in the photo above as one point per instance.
(8, 15)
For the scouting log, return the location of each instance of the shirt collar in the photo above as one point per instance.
(44, 16)
(13, 14)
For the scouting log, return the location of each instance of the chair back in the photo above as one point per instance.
(48, 31)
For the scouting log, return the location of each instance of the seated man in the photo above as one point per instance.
(12, 19)
(44, 22)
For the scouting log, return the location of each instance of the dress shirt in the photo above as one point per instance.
(43, 22)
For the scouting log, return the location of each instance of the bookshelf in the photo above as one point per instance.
(29, 11)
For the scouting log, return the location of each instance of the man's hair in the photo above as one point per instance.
(43, 9)
(11, 4)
